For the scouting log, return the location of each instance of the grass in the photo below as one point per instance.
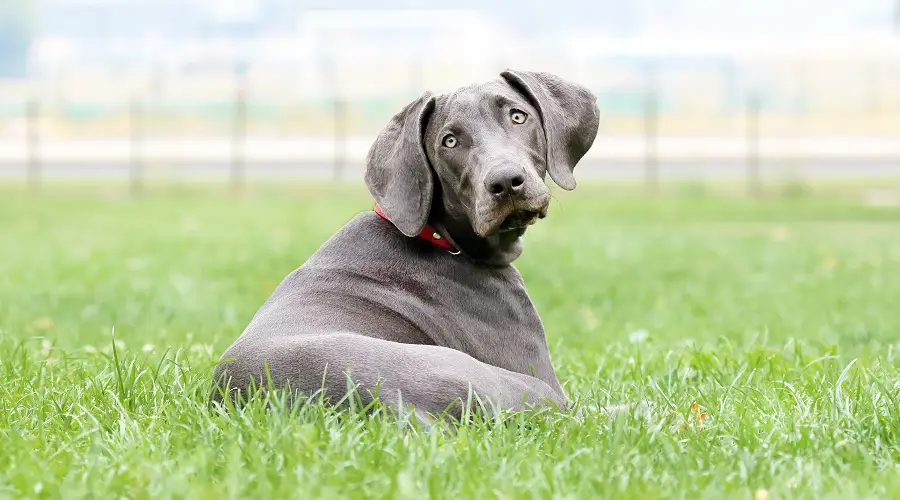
(777, 317)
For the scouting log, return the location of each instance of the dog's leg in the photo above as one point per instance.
(430, 378)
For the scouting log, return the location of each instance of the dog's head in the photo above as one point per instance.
(474, 161)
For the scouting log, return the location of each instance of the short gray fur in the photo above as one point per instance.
(387, 308)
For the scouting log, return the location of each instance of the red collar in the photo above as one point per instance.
(427, 233)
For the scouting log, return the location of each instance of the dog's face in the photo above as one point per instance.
(486, 150)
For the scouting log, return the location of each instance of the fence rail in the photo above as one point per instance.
(658, 122)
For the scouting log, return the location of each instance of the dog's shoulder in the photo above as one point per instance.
(362, 238)
(369, 239)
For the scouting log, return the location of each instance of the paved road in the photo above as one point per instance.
(733, 170)
(620, 157)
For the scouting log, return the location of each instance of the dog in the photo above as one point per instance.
(418, 299)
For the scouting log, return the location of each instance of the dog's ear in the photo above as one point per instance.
(398, 173)
(569, 115)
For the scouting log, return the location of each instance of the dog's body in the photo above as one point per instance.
(426, 325)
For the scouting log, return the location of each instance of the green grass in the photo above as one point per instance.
(778, 317)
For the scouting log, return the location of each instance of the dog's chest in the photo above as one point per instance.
(486, 314)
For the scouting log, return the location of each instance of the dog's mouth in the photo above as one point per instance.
(521, 219)
(514, 217)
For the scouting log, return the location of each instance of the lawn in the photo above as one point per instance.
(776, 319)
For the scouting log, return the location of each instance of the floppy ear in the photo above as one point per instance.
(570, 117)
(398, 174)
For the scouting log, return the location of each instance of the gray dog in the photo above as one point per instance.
(419, 298)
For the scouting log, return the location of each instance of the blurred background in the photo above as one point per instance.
(235, 89)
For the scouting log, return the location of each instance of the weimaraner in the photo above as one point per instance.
(419, 297)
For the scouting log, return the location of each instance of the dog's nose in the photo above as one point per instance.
(506, 182)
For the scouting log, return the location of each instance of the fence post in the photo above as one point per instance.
(651, 132)
(341, 130)
(33, 117)
(137, 167)
(754, 181)
(238, 138)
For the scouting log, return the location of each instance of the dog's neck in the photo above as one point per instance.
(500, 249)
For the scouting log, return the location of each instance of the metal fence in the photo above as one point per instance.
(694, 117)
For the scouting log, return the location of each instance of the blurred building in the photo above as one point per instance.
(197, 34)
(135, 33)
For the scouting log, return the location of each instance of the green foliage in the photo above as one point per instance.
(777, 317)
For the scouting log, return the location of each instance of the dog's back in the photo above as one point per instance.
(371, 280)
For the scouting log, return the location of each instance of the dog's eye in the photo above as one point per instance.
(450, 141)
(518, 117)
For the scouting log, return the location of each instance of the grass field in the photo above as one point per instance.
(777, 317)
